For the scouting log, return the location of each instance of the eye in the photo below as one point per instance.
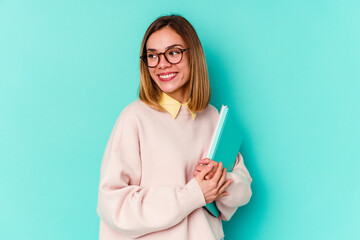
(151, 55)
(174, 52)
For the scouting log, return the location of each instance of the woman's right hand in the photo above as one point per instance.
(213, 188)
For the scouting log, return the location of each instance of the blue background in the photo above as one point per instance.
(290, 70)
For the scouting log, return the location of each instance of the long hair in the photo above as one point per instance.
(199, 78)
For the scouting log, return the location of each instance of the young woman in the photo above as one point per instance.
(154, 178)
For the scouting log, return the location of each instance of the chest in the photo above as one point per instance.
(170, 149)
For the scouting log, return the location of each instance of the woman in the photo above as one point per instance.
(154, 178)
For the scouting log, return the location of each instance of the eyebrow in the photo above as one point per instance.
(171, 46)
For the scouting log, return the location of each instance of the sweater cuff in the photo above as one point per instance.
(193, 195)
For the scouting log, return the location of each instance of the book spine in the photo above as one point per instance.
(215, 138)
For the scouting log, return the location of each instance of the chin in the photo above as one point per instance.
(168, 89)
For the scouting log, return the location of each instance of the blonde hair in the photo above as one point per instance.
(199, 78)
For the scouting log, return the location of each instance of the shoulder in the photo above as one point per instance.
(135, 112)
(128, 120)
(210, 111)
(209, 115)
(135, 109)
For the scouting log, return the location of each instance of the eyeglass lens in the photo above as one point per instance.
(173, 56)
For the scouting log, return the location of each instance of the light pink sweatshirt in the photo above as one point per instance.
(147, 189)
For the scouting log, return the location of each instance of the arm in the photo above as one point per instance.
(239, 190)
(126, 206)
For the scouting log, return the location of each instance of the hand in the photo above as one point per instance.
(202, 164)
(213, 188)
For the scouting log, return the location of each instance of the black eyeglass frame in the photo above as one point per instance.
(144, 57)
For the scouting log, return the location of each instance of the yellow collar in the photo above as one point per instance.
(173, 106)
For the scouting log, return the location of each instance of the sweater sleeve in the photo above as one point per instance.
(123, 203)
(239, 190)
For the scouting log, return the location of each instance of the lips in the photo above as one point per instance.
(168, 76)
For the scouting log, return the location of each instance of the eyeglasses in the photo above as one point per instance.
(172, 55)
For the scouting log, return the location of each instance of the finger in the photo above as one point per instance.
(204, 161)
(222, 195)
(225, 185)
(199, 168)
(205, 171)
(218, 173)
(222, 178)
(211, 174)
(195, 173)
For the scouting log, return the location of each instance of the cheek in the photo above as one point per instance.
(152, 74)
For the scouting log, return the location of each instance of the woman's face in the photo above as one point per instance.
(173, 79)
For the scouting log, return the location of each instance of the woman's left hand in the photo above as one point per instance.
(202, 164)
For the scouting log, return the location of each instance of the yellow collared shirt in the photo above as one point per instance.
(173, 106)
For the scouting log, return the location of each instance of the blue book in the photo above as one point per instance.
(224, 147)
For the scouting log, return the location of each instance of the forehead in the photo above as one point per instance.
(163, 38)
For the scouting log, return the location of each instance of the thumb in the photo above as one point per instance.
(204, 161)
(205, 171)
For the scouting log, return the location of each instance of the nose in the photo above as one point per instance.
(163, 63)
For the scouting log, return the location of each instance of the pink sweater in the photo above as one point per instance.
(147, 189)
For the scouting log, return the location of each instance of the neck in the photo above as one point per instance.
(181, 96)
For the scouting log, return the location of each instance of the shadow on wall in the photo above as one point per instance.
(248, 219)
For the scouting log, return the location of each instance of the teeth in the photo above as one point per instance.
(167, 76)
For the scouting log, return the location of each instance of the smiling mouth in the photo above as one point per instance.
(167, 77)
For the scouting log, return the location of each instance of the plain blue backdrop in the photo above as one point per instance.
(289, 69)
